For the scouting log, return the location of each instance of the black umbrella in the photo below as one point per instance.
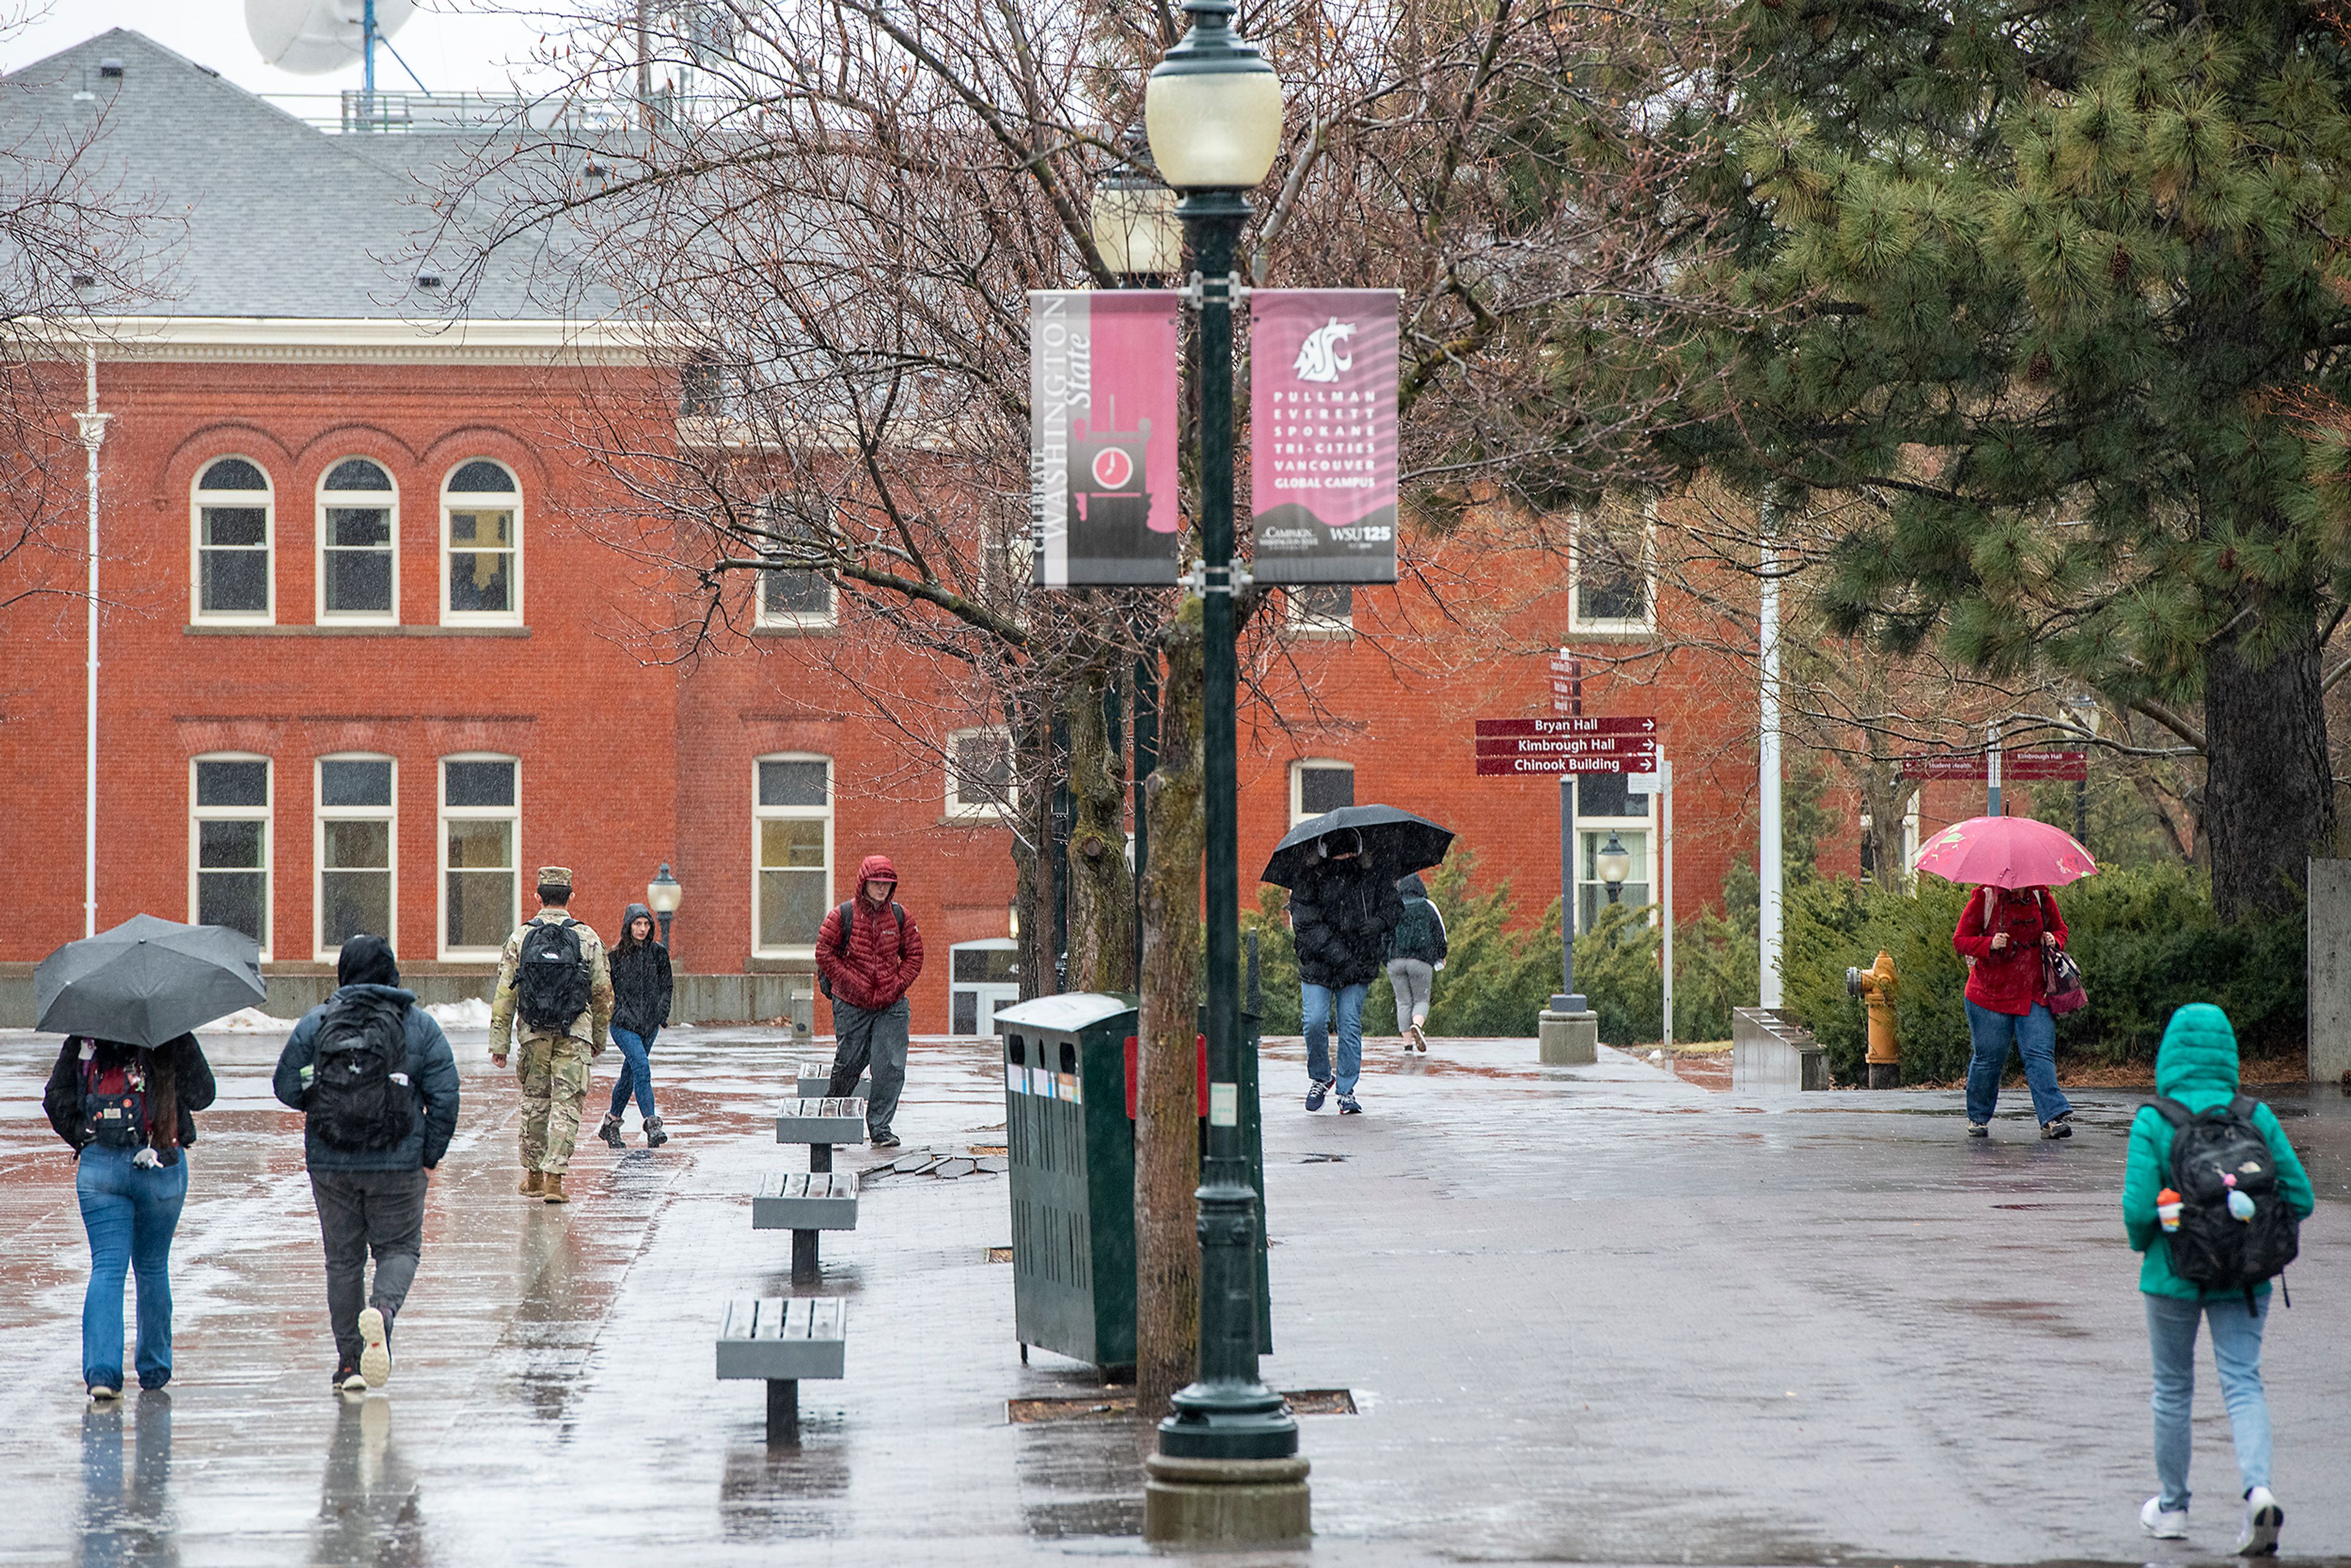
(1396, 839)
(147, 980)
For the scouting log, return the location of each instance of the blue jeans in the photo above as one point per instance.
(2237, 1351)
(2034, 1036)
(636, 1071)
(1317, 1002)
(130, 1215)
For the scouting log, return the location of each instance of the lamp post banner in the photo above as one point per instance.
(1102, 369)
(1322, 424)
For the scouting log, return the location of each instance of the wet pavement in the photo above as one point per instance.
(1597, 1314)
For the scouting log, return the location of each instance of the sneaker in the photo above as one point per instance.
(884, 1140)
(1347, 1106)
(104, 1393)
(1978, 1130)
(610, 1131)
(2060, 1128)
(1419, 1041)
(375, 1355)
(349, 1379)
(2163, 1523)
(2262, 1517)
(656, 1134)
(1315, 1093)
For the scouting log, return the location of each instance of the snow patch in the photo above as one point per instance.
(249, 1020)
(471, 1013)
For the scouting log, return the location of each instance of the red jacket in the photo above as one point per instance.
(2009, 981)
(883, 956)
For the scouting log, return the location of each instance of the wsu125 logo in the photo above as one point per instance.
(1320, 357)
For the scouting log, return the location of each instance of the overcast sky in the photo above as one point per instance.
(453, 45)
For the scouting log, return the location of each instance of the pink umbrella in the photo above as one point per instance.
(2006, 851)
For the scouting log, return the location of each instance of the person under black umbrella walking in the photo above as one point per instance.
(1343, 911)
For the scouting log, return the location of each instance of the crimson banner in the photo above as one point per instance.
(1102, 398)
(1323, 425)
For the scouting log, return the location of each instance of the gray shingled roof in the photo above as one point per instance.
(282, 220)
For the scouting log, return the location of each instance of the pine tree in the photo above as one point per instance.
(2051, 280)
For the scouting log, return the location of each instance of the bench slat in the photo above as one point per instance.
(783, 1338)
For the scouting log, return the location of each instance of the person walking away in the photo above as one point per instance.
(555, 998)
(641, 996)
(1343, 914)
(868, 956)
(376, 1082)
(128, 1112)
(2212, 1195)
(2003, 934)
(1415, 953)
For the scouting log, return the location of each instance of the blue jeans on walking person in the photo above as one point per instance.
(636, 1070)
(2237, 1351)
(2034, 1035)
(131, 1213)
(1317, 1001)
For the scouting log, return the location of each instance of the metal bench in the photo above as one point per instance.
(816, 1080)
(818, 1124)
(804, 1205)
(779, 1341)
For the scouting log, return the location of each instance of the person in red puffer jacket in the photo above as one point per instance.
(2002, 933)
(868, 956)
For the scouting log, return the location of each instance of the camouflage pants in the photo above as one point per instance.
(554, 1074)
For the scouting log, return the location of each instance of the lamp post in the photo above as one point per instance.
(1228, 1465)
(2085, 712)
(1614, 864)
(663, 895)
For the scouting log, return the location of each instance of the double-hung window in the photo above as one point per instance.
(1607, 808)
(792, 853)
(1317, 785)
(233, 512)
(357, 843)
(481, 816)
(359, 551)
(794, 595)
(980, 774)
(481, 534)
(1612, 561)
(1321, 610)
(228, 831)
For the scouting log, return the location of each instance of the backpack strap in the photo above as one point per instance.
(841, 943)
(2172, 1111)
(2244, 1105)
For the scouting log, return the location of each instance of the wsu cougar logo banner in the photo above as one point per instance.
(1102, 436)
(1323, 425)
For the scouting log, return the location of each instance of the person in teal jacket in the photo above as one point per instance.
(2197, 1065)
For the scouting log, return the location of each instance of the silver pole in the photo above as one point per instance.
(1768, 870)
(1665, 854)
(93, 436)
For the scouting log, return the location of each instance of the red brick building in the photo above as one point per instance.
(359, 661)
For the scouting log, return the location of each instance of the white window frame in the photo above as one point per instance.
(321, 815)
(770, 512)
(1306, 621)
(1298, 769)
(1647, 622)
(760, 814)
(386, 501)
(512, 614)
(266, 814)
(443, 816)
(961, 811)
(1597, 828)
(992, 993)
(197, 615)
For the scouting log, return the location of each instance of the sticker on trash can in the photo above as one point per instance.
(1223, 1105)
(1069, 1089)
(1016, 1079)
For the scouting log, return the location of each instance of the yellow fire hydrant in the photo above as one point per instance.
(1874, 986)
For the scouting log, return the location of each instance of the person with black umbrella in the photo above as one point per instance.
(1342, 913)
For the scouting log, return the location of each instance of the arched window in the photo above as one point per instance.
(481, 541)
(792, 852)
(228, 842)
(233, 526)
(357, 842)
(358, 544)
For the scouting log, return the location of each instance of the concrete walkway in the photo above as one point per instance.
(1588, 1315)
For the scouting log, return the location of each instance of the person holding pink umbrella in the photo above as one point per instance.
(2010, 923)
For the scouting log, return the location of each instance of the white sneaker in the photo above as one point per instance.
(2262, 1517)
(2163, 1523)
(99, 1394)
(375, 1355)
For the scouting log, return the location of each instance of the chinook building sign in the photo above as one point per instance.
(1102, 436)
(1323, 418)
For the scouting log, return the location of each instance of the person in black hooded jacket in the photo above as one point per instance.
(640, 996)
(1343, 913)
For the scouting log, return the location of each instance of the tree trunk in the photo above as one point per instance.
(1167, 1110)
(1101, 885)
(2269, 797)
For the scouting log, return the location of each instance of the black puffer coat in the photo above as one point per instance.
(193, 1086)
(1342, 915)
(641, 982)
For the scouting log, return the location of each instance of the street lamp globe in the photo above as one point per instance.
(663, 895)
(1614, 864)
(1134, 216)
(2085, 711)
(1213, 106)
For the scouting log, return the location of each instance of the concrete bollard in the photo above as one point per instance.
(1567, 1040)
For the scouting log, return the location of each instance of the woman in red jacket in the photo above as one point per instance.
(2003, 932)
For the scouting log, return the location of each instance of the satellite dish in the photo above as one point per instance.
(311, 37)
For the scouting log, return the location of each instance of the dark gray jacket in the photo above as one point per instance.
(1342, 913)
(431, 1074)
(641, 978)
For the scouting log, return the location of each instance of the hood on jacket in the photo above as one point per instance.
(2199, 1052)
(876, 868)
(366, 960)
(1411, 886)
(628, 922)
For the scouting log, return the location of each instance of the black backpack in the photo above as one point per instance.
(840, 947)
(360, 1096)
(2213, 1153)
(551, 976)
(113, 1114)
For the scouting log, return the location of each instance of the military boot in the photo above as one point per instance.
(552, 1189)
(610, 1131)
(533, 1184)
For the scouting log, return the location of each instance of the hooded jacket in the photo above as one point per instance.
(2196, 1065)
(1420, 933)
(883, 956)
(1341, 915)
(191, 1085)
(641, 978)
(2010, 981)
(366, 965)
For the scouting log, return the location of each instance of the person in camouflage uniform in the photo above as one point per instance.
(552, 1066)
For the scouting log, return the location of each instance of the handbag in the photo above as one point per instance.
(2062, 979)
